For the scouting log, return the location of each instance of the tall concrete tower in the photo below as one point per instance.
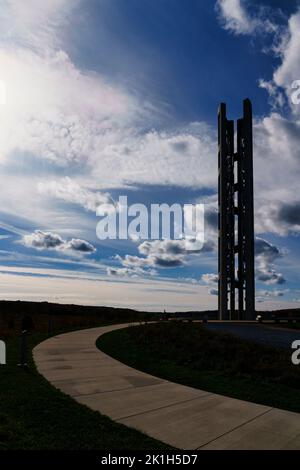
(236, 221)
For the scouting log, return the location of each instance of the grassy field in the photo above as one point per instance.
(34, 415)
(291, 326)
(191, 355)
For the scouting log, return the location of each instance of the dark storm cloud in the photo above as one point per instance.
(290, 213)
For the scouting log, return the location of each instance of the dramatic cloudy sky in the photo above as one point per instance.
(102, 98)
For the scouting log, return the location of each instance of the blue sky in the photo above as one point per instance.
(119, 97)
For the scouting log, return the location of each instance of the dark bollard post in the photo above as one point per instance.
(23, 349)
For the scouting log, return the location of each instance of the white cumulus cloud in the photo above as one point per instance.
(41, 240)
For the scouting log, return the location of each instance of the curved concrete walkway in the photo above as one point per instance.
(184, 417)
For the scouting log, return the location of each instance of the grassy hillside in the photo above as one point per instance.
(43, 317)
(217, 362)
(35, 415)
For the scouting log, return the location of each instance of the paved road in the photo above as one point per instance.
(270, 336)
(184, 417)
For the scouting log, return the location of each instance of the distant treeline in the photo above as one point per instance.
(46, 317)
